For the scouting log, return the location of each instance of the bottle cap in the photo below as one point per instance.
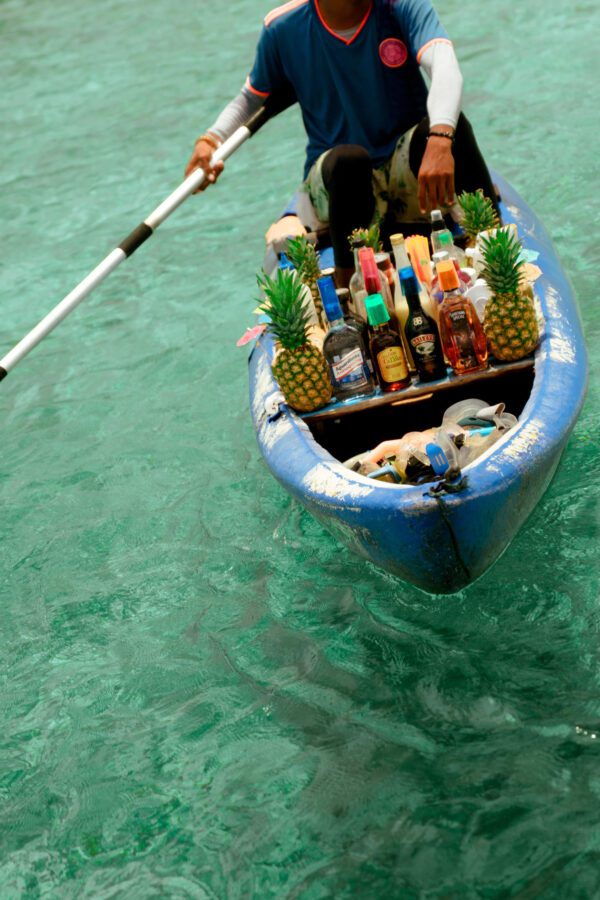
(408, 281)
(370, 272)
(437, 220)
(447, 275)
(396, 239)
(331, 304)
(285, 262)
(377, 313)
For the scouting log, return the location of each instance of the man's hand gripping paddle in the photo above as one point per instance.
(139, 235)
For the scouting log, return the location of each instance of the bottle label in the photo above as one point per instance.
(392, 364)
(461, 330)
(349, 369)
(424, 345)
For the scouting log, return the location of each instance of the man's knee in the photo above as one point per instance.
(346, 162)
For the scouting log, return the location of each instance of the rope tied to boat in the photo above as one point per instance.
(453, 482)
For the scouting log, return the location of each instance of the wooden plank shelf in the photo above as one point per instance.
(416, 391)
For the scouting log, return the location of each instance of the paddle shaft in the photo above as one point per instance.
(133, 240)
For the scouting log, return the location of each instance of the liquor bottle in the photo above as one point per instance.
(343, 295)
(386, 267)
(402, 261)
(463, 338)
(442, 239)
(421, 332)
(357, 286)
(374, 281)
(399, 250)
(387, 352)
(343, 349)
(387, 270)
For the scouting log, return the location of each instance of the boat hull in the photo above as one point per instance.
(441, 544)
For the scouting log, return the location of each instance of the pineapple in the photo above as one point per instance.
(478, 214)
(510, 322)
(305, 260)
(299, 367)
(371, 236)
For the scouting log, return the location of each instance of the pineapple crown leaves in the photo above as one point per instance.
(501, 254)
(371, 236)
(304, 258)
(285, 306)
(478, 213)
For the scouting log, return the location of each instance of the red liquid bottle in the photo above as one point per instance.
(463, 338)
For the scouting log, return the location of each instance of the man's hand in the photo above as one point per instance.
(279, 232)
(200, 159)
(436, 175)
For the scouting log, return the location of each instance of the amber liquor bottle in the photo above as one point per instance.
(387, 351)
(462, 334)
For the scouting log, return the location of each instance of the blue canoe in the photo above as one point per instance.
(438, 543)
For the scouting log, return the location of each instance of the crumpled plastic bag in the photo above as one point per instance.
(468, 429)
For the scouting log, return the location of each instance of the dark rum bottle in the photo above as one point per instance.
(463, 338)
(387, 351)
(421, 332)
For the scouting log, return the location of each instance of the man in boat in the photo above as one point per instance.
(380, 144)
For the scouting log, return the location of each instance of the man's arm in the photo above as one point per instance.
(436, 175)
(265, 78)
(233, 116)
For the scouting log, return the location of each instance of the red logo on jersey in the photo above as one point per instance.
(393, 53)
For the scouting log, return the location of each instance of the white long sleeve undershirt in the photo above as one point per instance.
(444, 100)
(438, 61)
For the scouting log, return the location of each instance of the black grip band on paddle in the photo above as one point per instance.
(3, 373)
(135, 239)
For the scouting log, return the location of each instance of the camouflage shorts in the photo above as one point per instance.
(394, 185)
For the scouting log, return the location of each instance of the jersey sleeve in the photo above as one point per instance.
(420, 25)
(267, 75)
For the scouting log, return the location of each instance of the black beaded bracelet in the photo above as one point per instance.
(444, 134)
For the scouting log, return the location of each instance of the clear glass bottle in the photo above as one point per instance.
(343, 349)
(377, 281)
(463, 338)
(399, 250)
(343, 295)
(421, 332)
(357, 285)
(387, 351)
(442, 239)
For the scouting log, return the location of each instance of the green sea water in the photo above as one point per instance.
(202, 694)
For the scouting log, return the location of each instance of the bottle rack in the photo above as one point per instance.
(417, 390)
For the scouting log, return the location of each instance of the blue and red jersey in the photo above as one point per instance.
(366, 89)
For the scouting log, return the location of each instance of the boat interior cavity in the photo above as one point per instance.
(359, 430)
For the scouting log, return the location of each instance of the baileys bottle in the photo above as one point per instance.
(421, 332)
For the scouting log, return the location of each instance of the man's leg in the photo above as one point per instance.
(347, 178)
(471, 171)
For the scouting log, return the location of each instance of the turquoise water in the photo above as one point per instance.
(203, 694)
